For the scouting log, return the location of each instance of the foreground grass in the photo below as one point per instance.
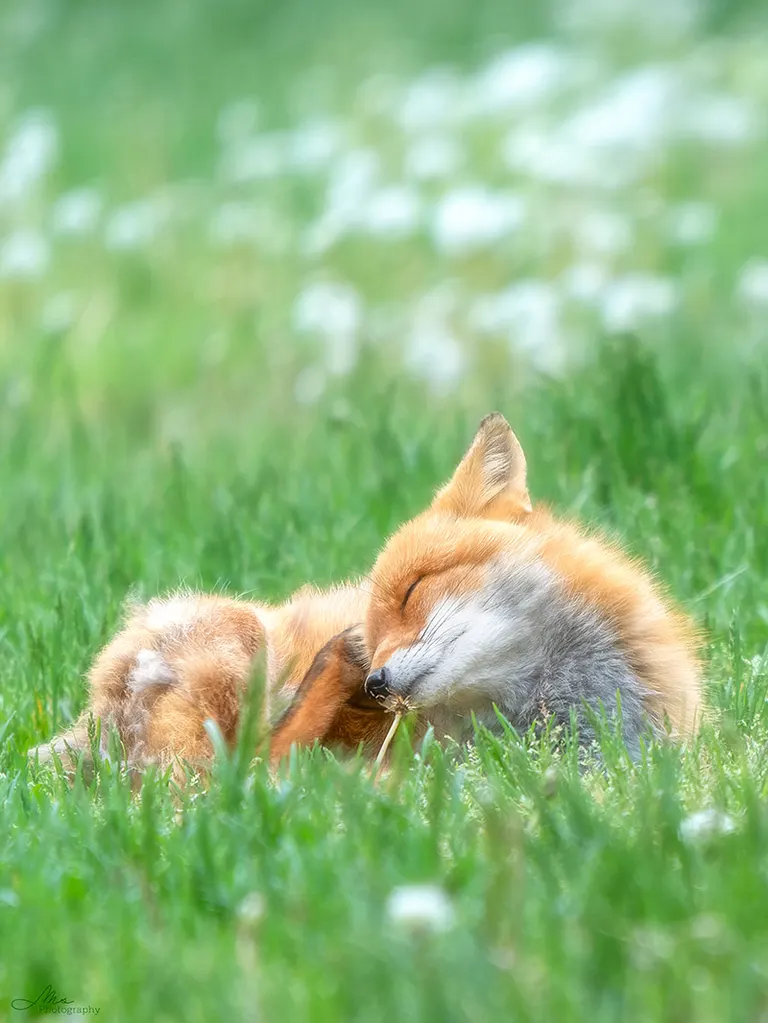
(601, 894)
(153, 440)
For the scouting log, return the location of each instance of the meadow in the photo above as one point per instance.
(263, 268)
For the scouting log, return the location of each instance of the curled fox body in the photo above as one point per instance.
(482, 600)
(180, 660)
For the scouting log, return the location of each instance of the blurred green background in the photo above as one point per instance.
(262, 270)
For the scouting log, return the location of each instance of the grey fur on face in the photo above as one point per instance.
(525, 645)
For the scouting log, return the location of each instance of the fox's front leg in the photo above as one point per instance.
(337, 673)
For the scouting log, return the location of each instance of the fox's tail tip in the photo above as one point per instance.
(65, 746)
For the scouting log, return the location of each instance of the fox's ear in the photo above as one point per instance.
(490, 479)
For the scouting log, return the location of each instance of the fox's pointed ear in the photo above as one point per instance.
(490, 479)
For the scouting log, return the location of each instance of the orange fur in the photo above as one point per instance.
(181, 660)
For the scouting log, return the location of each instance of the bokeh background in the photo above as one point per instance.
(243, 202)
(263, 267)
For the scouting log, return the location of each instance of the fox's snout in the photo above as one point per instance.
(378, 682)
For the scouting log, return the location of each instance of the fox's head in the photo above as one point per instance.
(435, 608)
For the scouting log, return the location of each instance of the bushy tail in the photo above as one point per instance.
(67, 746)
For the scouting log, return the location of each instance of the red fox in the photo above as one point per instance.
(180, 660)
(482, 600)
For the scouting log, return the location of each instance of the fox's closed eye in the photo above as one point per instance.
(409, 591)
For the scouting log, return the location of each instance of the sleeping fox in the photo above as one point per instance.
(482, 600)
(183, 659)
(479, 602)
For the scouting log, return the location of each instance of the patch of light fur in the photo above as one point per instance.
(176, 611)
(150, 670)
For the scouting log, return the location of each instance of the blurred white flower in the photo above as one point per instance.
(24, 255)
(312, 146)
(432, 351)
(527, 315)
(722, 120)
(352, 179)
(251, 909)
(548, 154)
(331, 312)
(706, 824)
(752, 287)
(432, 100)
(583, 282)
(392, 213)
(691, 223)
(76, 212)
(629, 301)
(602, 232)
(327, 308)
(634, 113)
(135, 224)
(432, 156)
(473, 217)
(434, 354)
(420, 908)
(255, 158)
(523, 77)
(237, 120)
(352, 182)
(30, 153)
(310, 385)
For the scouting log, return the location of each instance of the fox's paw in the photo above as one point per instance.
(351, 655)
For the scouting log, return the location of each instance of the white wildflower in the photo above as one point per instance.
(332, 313)
(432, 156)
(312, 146)
(251, 909)
(29, 155)
(393, 212)
(602, 232)
(76, 212)
(327, 308)
(527, 315)
(431, 101)
(628, 302)
(420, 908)
(752, 287)
(24, 255)
(722, 120)
(135, 224)
(634, 113)
(548, 154)
(352, 179)
(517, 79)
(705, 825)
(434, 354)
(473, 217)
(583, 282)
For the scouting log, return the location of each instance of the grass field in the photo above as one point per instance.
(262, 270)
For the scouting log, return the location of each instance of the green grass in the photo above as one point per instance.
(155, 441)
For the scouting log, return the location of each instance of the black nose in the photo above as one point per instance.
(377, 682)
